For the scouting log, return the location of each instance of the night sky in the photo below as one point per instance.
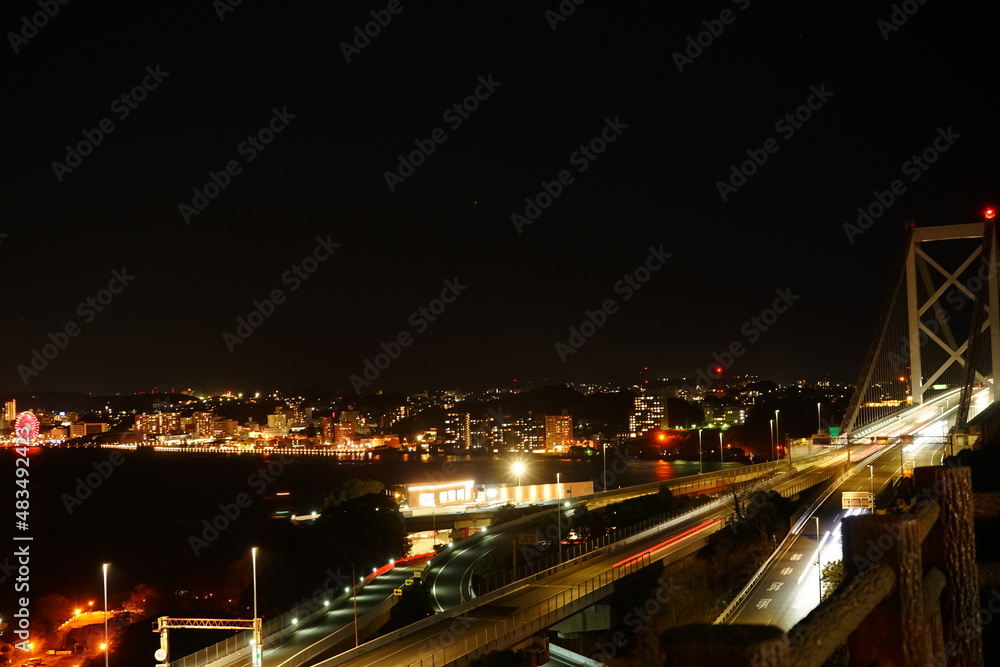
(885, 94)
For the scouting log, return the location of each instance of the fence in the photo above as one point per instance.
(524, 623)
(273, 630)
(276, 629)
(910, 597)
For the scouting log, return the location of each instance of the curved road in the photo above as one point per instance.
(790, 588)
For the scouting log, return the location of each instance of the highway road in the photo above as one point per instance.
(790, 588)
(483, 620)
(369, 597)
(450, 575)
(449, 581)
(450, 578)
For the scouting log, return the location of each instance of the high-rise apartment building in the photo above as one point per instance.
(558, 432)
(203, 425)
(457, 426)
(158, 423)
(649, 411)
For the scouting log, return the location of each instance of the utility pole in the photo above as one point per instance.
(354, 584)
(559, 515)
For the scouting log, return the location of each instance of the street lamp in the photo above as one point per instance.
(772, 439)
(518, 469)
(722, 453)
(871, 482)
(819, 560)
(559, 493)
(777, 426)
(257, 655)
(819, 418)
(253, 561)
(701, 466)
(604, 466)
(354, 585)
(104, 569)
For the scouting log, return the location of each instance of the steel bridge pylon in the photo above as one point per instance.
(928, 339)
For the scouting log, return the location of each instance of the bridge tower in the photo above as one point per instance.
(939, 327)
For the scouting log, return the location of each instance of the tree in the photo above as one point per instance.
(51, 611)
(366, 530)
(352, 489)
(832, 577)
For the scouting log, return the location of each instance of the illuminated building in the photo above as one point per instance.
(203, 424)
(80, 429)
(558, 432)
(457, 428)
(723, 414)
(158, 423)
(343, 434)
(225, 427)
(649, 411)
(277, 425)
(10, 411)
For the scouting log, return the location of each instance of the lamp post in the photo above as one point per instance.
(819, 418)
(104, 569)
(819, 560)
(604, 466)
(518, 470)
(257, 657)
(871, 483)
(701, 466)
(777, 426)
(772, 439)
(900, 457)
(559, 514)
(354, 585)
(722, 453)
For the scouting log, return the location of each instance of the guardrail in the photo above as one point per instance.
(595, 546)
(500, 592)
(910, 594)
(792, 536)
(282, 626)
(535, 618)
(273, 630)
(522, 583)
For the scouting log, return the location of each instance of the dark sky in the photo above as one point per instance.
(323, 176)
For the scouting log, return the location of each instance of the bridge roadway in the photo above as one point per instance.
(563, 590)
(451, 585)
(450, 574)
(376, 593)
(507, 619)
(790, 586)
(342, 616)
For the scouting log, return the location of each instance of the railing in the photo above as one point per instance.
(468, 606)
(524, 623)
(594, 547)
(910, 597)
(834, 481)
(273, 630)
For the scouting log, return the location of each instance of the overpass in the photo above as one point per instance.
(512, 613)
(787, 587)
(900, 394)
(919, 381)
(915, 358)
(480, 624)
(296, 637)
